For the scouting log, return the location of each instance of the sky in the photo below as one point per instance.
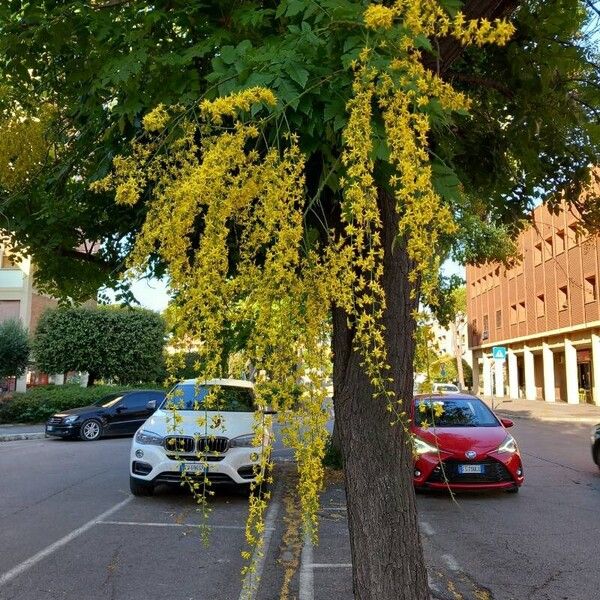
(152, 293)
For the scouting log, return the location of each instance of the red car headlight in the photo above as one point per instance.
(508, 445)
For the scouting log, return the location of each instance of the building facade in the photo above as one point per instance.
(19, 299)
(545, 311)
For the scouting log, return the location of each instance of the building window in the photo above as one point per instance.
(563, 298)
(548, 247)
(486, 328)
(540, 306)
(498, 319)
(537, 254)
(521, 311)
(589, 289)
(560, 242)
(513, 314)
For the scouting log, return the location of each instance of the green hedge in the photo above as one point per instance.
(41, 402)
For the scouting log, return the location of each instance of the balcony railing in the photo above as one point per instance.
(11, 279)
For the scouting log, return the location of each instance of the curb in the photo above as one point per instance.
(14, 437)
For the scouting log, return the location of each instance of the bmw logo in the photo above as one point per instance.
(470, 454)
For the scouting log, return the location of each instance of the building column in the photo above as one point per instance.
(487, 375)
(513, 375)
(21, 385)
(499, 377)
(475, 371)
(58, 379)
(571, 372)
(549, 383)
(596, 369)
(529, 369)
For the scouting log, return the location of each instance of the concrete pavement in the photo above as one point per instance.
(553, 412)
(21, 431)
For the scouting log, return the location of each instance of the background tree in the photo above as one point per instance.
(108, 342)
(14, 348)
(532, 128)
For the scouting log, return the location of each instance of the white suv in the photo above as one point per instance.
(183, 436)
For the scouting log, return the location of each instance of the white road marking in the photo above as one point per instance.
(450, 562)
(30, 562)
(331, 565)
(426, 528)
(307, 585)
(151, 524)
(252, 578)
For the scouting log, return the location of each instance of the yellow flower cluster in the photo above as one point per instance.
(429, 18)
(379, 17)
(156, 120)
(230, 106)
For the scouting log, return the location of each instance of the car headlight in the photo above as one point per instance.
(508, 445)
(243, 441)
(148, 437)
(422, 447)
(69, 420)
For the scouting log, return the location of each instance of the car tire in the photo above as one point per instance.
(90, 430)
(140, 488)
(513, 490)
(597, 454)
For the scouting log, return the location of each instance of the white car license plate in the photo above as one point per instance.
(195, 467)
(50, 428)
(464, 469)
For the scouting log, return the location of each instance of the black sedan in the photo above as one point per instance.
(596, 444)
(120, 413)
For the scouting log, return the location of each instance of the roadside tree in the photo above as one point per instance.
(321, 157)
(110, 343)
(14, 348)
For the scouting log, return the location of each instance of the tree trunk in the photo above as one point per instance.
(387, 557)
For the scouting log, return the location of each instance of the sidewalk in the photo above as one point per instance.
(19, 431)
(557, 412)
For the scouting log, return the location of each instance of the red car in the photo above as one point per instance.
(462, 445)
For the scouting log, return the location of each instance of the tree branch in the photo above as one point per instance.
(482, 81)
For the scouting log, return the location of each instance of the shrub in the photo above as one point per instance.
(42, 402)
(122, 344)
(14, 348)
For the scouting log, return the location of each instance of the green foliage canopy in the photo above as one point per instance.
(109, 343)
(533, 127)
(14, 348)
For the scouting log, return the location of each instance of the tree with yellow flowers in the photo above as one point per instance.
(301, 168)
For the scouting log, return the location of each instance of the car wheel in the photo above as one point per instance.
(90, 430)
(513, 490)
(140, 488)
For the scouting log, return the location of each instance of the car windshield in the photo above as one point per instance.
(454, 412)
(189, 396)
(108, 401)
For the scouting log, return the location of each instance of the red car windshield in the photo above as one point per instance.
(453, 412)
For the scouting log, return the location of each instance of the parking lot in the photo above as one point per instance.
(69, 528)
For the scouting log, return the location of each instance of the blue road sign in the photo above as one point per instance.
(499, 352)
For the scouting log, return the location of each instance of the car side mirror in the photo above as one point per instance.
(119, 409)
(151, 405)
(506, 422)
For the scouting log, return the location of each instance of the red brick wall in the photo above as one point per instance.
(38, 305)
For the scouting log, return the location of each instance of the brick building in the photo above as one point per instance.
(545, 310)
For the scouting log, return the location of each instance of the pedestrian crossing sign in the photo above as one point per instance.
(499, 352)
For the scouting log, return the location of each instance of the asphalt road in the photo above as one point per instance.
(69, 529)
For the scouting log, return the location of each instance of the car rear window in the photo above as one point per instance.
(453, 412)
(188, 396)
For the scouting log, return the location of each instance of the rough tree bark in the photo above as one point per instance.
(387, 557)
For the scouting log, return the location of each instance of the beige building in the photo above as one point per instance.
(545, 311)
(19, 298)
